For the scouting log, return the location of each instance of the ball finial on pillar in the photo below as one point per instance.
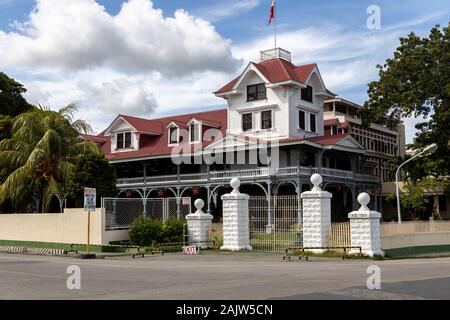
(235, 184)
(316, 180)
(364, 200)
(199, 204)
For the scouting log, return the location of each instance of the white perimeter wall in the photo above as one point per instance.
(68, 227)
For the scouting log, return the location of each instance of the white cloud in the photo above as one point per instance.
(225, 9)
(75, 35)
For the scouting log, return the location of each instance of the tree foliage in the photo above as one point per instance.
(416, 82)
(12, 103)
(41, 155)
(94, 171)
(415, 196)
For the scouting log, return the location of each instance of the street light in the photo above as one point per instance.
(429, 149)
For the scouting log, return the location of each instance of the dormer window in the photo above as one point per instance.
(123, 140)
(307, 94)
(256, 92)
(173, 135)
(334, 130)
(195, 132)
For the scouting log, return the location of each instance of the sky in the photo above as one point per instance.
(151, 58)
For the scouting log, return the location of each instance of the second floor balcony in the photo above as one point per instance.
(246, 175)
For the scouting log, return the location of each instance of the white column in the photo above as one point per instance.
(365, 228)
(198, 224)
(236, 234)
(316, 216)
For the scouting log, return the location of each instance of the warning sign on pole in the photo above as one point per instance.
(90, 199)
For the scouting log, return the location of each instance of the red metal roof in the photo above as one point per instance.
(276, 70)
(158, 145)
(144, 125)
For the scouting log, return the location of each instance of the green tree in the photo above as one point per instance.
(416, 82)
(12, 103)
(414, 198)
(41, 155)
(91, 170)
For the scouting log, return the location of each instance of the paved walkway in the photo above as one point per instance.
(221, 276)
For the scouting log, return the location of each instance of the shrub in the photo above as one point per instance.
(172, 231)
(145, 232)
(148, 232)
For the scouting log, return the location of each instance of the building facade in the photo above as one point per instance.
(281, 124)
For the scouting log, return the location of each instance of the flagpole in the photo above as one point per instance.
(275, 16)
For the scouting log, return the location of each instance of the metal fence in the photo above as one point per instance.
(280, 229)
(120, 213)
(340, 234)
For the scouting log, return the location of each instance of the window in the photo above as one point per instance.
(256, 92)
(195, 132)
(173, 135)
(334, 130)
(313, 127)
(247, 122)
(266, 120)
(301, 119)
(124, 140)
(307, 94)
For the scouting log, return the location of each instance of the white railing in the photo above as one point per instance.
(250, 173)
(247, 174)
(366, 177)
(337, 173)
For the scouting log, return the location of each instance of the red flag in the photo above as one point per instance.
(272, 12)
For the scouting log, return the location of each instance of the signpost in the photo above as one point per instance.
(90, 201)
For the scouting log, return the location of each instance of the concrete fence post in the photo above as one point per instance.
(365, 228)
(198, 224)
(316, 216)
(236, 234)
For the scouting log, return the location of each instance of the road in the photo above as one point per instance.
(221, 276)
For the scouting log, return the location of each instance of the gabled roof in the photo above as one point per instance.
(330, 122)
(157, 145)
(275, 71)
(143, 125)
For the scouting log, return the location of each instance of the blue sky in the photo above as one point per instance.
(147, 58)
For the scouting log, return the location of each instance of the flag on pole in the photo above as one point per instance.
(272, 12)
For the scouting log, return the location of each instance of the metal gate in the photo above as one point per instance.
(340, 234)
(120, 213)
(279, 229)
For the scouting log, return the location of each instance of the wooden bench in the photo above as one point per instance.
(302, 250)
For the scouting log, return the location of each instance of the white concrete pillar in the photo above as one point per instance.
(365, 228)
(198, 224)
(316, 216)
(236, 234)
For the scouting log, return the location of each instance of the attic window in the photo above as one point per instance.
(256, 92)
(173, 135)
(123, 140)
(307, 94)
(334, 130)
(194, 132)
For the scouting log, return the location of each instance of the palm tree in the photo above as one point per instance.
(40, 155)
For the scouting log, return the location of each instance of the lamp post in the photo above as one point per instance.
(429, 149)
